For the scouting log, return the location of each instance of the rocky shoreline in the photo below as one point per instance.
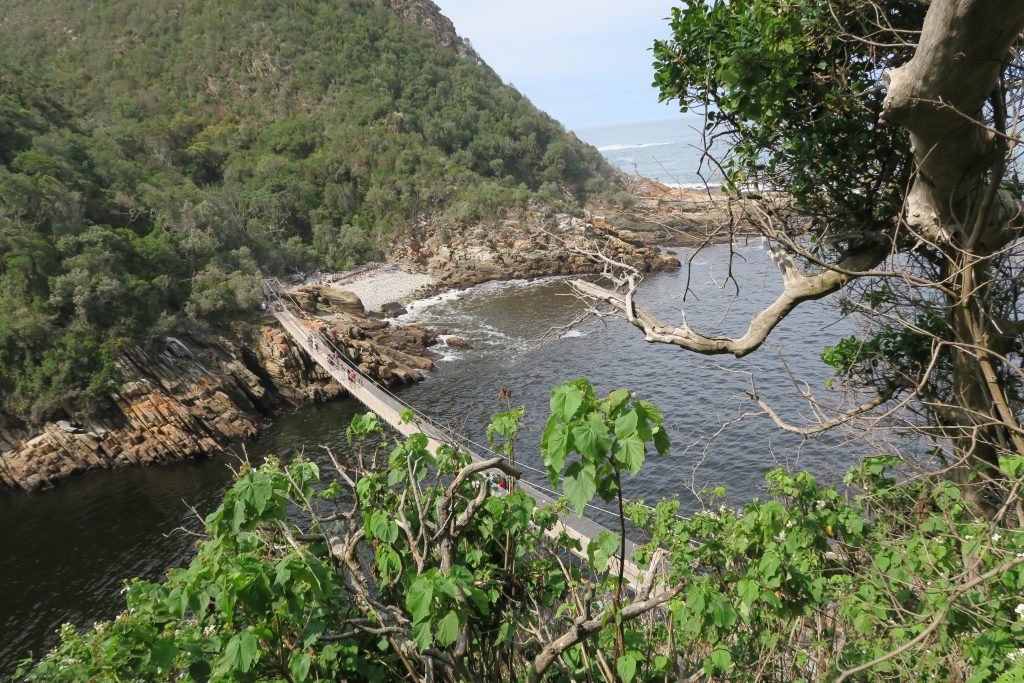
(687, 217)
(193, 396)
(196, 395)
(526, 245)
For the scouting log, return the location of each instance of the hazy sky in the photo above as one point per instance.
(585, 62)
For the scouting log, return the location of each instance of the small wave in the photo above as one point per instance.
(642, 145)
(692, 186)
(572, 334)
(420, 305)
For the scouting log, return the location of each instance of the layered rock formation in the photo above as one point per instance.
(674, 216)
(533, 244)
(195, 395)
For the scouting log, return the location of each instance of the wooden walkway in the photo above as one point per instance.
(390, 410)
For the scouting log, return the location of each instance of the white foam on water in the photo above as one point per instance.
(692, 186)
(642, 145)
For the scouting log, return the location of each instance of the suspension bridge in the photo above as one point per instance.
(390, 409)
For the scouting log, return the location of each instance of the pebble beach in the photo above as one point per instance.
(377, 284)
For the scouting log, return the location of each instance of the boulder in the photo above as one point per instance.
(392, 309)
(457, 342)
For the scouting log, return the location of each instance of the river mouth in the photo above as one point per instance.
(69, 549)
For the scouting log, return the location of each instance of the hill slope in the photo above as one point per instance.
(157, 155)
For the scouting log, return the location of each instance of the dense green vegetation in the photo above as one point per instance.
(405, 563)
(156, 156)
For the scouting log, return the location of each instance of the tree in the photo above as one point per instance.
(881, 137)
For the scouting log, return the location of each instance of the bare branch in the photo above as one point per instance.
(799, 287)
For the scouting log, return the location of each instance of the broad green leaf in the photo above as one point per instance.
(625, 424)
(721, 658)
(447, 629)
(631, 453)
(556, 451)
(298, 666)
(421, 635)
(579, 485)
(255, 491)
(591, 438)
(650, 411)
(618, 398)
(241, 652)
(625, 666)
(722, 613)
(419, 599)
(565, 400)
(606, 547)
(662, 443)
(748, 591)
(163, 652)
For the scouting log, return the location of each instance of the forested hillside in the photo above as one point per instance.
(157, 155)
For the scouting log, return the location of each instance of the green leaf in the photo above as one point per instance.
(579, 485)
(650, 411)
(625, 424)
(631, 453)
(255, 491)
(722, 613)
(618, 398)
(721, 658)
(421, 635)
(748, 591)
(592, 439)
(241, 652)
(662, 444)
(298, 666)
(448, 628)
(626, 667)
(565, 401)
(556, 451)
(606, 547)
(163, 652)
(419, 599)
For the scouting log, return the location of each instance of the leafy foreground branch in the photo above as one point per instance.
(412, 565)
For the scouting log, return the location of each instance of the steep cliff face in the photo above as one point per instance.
(197, 395)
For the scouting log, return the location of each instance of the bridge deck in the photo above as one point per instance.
(390, 410)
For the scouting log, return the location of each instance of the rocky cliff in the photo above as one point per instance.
(195, 395)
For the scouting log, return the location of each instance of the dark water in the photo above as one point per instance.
(68, 550)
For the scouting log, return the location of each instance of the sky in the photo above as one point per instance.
(585, 62)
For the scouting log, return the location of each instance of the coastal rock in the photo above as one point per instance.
(532, 244)
(194, 396)
(316, 298)
(456, 342)
(393, 309)
(681, 216)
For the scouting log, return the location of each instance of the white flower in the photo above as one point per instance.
(1015, 655)
(209, 630)
(1019, 609)
(996, 538)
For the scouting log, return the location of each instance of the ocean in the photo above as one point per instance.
(669, 150)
